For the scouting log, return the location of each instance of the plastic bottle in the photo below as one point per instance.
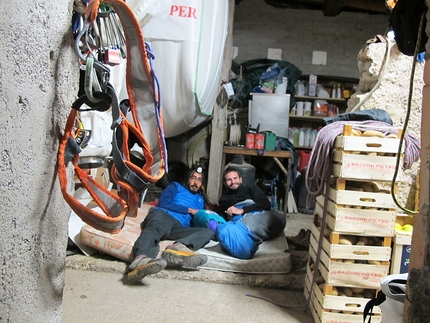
(313, 137)
(339, 91)
(308, 111)
(282, 88)
(307, 141)
(300, 88)
(293, 111)
(291, 135)
(296, 134)
(334, 92)
(301, 138)
(299, 108)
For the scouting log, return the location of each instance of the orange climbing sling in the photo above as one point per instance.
(145, 129)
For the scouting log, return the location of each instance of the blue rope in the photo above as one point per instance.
(157, 102)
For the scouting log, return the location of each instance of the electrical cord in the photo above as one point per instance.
(408, 112)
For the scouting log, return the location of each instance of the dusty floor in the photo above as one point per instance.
(95, 292)
(94, 297)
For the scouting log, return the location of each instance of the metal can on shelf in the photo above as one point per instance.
(250, 140)
(259, 141)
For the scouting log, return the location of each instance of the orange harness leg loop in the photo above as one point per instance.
(145, 129)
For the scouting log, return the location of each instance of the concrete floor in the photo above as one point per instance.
(95, 292)
(95, 297)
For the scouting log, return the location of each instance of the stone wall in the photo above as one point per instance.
(391, 94)
(259, 26)
(38, 83)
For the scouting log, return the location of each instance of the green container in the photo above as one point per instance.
(270, 140)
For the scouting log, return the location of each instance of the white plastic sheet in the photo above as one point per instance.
(187, 38)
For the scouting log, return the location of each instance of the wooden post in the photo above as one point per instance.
(220, 120)
(418, 284)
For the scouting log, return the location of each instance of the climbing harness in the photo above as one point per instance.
(136, 120)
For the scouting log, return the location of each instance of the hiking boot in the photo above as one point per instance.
(144, 266)
(301, 241)
(298, 237)
(179, 255)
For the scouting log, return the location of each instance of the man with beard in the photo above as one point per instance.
(251, 218)
(171, 220)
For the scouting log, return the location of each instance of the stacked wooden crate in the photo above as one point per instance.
(355, 249)
(402, 242)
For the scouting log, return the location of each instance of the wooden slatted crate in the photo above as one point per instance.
(342, 273)
(329, 303)
(356, 221)
(402, 246)
(358, 157)
(363, 249)
(361, 194)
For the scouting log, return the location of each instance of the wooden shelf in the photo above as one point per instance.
(313, 98)
(254, 152)
(307, 118)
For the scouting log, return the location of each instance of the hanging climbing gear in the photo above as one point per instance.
(143, 127)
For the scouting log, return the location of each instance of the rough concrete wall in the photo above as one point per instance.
(38, 77)
(392, 95)
(258, 26)
(416, 307)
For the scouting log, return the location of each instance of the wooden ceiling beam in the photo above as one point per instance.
(331, 7)
(371, 6)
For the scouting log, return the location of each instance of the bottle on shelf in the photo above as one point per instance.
(334, 91)
(307, 141)
(308, 109)
(299, 109)
(301, 138)
(293, 111)
(296, 135)
(339, 91)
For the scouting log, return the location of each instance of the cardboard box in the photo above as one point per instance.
(312, 85)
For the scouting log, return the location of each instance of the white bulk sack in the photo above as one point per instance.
(187, 38)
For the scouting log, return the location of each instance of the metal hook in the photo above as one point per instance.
(89, 80)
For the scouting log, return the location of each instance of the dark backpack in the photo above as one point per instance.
(405, 22)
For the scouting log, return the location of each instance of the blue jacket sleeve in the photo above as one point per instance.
(167, 200)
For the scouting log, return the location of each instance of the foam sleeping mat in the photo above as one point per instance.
(271, 258)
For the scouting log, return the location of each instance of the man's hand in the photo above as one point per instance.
(192, 211)
(232, 210)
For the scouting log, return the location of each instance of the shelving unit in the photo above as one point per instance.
(316, 122)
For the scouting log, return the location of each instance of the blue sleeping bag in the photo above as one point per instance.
(202, 218)
(236, 239)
